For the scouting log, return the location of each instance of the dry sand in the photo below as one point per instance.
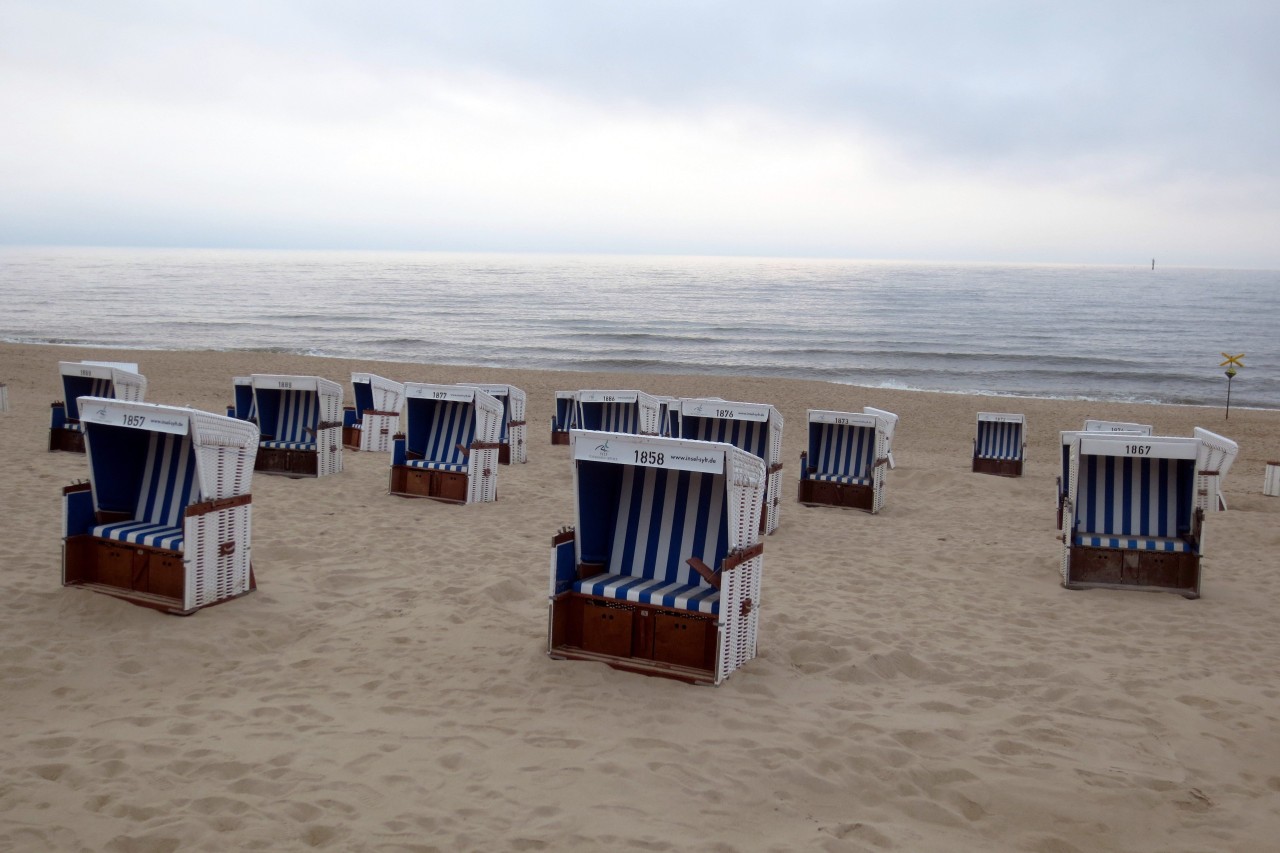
(923, 682)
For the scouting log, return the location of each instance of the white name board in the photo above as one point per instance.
(1116, 426)
(491, 390)
(998, 418)
(134, 417)
(842, 418)
(452, 393)
(608, 396)
(625, 450)
(285, 383)
(1161, 447)
(725, 410)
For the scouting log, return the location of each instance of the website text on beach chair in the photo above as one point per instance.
(848, 457)
(301, 422)
(1137, 507)
(661, 573)
(370, 424)
(108, 379)
(753, 427)
(1000, 445)
(449, 449)
(565, 418)
(243, 407)
(1090, 425)
(511, 437)
(166, 516)
(633, 412)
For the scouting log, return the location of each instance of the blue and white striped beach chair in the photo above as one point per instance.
(301, 422)
(371, 423)
(449, 449)
(1137, 509)
(511, 436)
(165, 518)
(1090, 425)
(753, 427)
(662, 573)
(848, 456)
(565, 418)
(107, 379)
(632, 412)
(1000, 445)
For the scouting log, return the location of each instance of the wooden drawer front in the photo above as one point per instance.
(418, 482)
(684, 641)
(451, 486)
(1168, 570)
(607, 630)
(166, 575)
(118, 564)
(1097, 565)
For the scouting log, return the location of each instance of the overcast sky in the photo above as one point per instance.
(1107, 132)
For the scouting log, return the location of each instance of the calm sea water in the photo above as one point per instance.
(1105, 333)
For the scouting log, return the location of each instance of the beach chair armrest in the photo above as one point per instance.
(706, 571)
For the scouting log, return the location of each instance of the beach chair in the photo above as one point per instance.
(242, 407)
(301, 422)
(1217, 454)
(1000, 445)
(449, 449)
(661, 573)
(847, 459)
(669, 416)
(166, 516)
(511, 437)
(565, 418)
(1136, 506)
(1090, 425)
(632, 412)
(370, 424)
(108, 379)
(753, 427)
(4, 397)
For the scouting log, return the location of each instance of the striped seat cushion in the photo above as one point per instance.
(1133, 544)
(168, 486)
(842, 451)
(841, 478)
(356, 425)
(751, 436)
(663, 518)
(1122, 500)
(289, 445)
(999, 440)
(460, 467)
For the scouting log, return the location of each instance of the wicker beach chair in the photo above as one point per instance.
(243, 407)
(632, 412)
(661, 574)
(108, 379)
(753, 427)
(1136, 506)
(847, 460)
(449, 449)
(565, 418)
(1000, 446)
(512, 446)
(165, 518)
(370, 424)
(1090, 425)
(301, 422)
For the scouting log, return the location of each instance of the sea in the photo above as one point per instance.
(1113, 333)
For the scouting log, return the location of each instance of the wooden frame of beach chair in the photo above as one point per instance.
(108, 379)
(300, 418)
(753, 427)
(1090, 425)
(512, 446)
(631, 412)
(242, 406)
(166, 517)
(371, 423)
(661, 573)
(1000, 444)
(1136, 506)
(565, 417)
(449, 449)
(848, 456)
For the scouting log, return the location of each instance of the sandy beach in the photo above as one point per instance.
(923, 682)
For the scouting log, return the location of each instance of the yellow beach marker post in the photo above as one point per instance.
(1231, 363)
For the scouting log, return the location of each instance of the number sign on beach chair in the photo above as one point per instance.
(848, 457)
(661, 574)
(633, 412)
(449, 449)
(565, 418)
(511, 436)
(1137, 506)
(370, 424)
(1001, 444)
(1090, 425)
(165, 518)
(753, 427)
(108, 379)
(301, 422)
